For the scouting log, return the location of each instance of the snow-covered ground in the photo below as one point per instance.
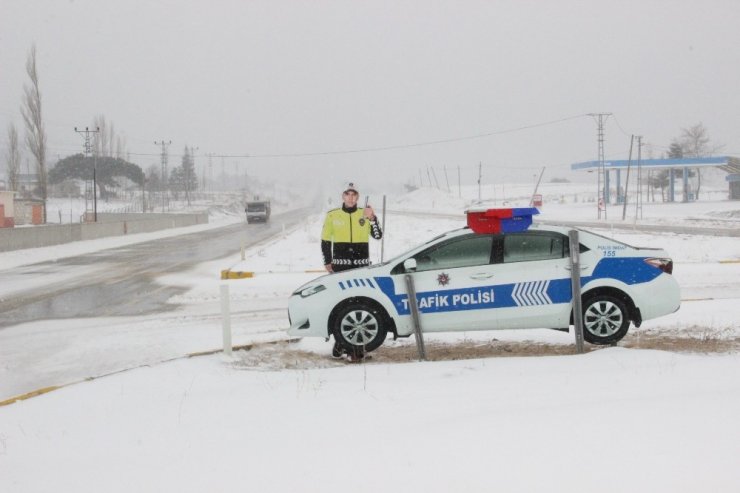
(284, 416)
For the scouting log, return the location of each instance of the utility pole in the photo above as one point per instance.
(88, 151)
(164, 182)
(603, 181)
(447, 179)
(187, 174)
(210, 173)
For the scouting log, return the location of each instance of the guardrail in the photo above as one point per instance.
(108, 225)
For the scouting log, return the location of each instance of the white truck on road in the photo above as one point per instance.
(257, 211)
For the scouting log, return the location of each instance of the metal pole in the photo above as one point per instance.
(627, 181)
(95, 188)
(459, 187)
(575, 281)
(415, 317)
(536, 186)
(436, 183)
(226, 318)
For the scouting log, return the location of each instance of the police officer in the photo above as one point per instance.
(344, 242)
(346, 232)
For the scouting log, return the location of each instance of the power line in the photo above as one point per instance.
(390, 147)
(408, 146)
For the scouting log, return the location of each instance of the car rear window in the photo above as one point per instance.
(534, 246)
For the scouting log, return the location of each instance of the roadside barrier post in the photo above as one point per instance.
(226, 318)
(575, 282)
(415, 317)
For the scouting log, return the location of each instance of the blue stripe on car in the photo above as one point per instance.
(629, 270)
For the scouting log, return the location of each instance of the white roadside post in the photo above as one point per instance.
(226, 318)
(575, 282)
(415, 317)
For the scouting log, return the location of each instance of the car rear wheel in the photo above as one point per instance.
(605, 319)
(360, 327)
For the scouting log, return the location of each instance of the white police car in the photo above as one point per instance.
(497, 273)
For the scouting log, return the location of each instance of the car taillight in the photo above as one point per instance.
(664, 264)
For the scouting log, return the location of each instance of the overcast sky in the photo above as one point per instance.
(277, 78)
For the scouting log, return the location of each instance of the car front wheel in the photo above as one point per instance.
(360, 327)
(605, 319)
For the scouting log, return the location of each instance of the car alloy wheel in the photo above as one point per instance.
(605, 320)
(360, 326)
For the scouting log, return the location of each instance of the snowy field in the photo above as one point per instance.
(283, 416)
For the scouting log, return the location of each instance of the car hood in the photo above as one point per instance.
(337, 277)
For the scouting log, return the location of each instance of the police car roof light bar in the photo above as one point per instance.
(507, 220)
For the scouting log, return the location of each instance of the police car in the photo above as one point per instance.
(500, 272)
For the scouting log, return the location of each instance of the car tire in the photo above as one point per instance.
(360, 327)
(605, 319)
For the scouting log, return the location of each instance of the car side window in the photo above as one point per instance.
(465, 251)
(529, 246)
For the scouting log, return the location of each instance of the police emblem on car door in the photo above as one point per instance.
(453, 282)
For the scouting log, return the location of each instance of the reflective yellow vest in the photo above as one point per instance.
(343, 227)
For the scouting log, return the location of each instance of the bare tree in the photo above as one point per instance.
(107, 142)
(120, 147)
(695, 142)
(101, 146)
(32, 116)
(111, 140)
(14, 158)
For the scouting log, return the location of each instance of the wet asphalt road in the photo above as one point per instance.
(120, 281)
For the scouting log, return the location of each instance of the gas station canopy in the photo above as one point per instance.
(725, 163)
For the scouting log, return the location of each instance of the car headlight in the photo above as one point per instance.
(310, 290)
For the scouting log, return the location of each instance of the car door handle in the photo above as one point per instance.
(481, 275)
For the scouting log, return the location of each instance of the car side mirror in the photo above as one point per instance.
(409, 265)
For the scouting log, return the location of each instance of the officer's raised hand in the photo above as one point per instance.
(369, 213)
